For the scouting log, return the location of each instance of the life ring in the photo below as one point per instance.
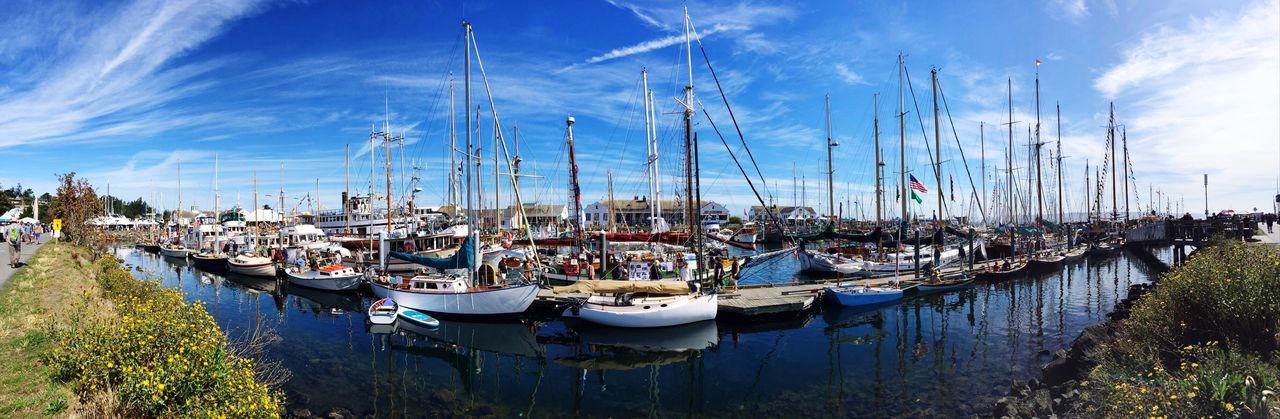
(570, 269)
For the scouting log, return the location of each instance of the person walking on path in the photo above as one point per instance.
(13, 240)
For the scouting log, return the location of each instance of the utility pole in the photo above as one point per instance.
(1206, 196)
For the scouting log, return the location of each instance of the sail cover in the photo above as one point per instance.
(613, 286)
(464, 258)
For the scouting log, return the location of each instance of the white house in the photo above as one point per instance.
(788, 215)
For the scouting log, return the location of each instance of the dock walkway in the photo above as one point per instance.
(771, 299)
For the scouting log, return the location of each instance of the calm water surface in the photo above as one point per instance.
(949, 354)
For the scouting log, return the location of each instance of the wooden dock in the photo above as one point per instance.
(766, 299)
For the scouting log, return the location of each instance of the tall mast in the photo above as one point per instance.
(1124, 140)
(1039, 183)
(688, 131)
(1058, 109)
(217, 209)
(982, 149)
(1009, 162)
(346, 205)
(497, 186)
(1112, 131)
(937, 143)
(178, 213)
(471, 224)
(649, 147)
(902, 142)
(876, 133)
(612, 217)
(453, 152)
(386, 137)
(657, 169)
(574, 190)
(831, 198)
(255, 213)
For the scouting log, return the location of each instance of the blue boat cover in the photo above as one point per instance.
(463, 259)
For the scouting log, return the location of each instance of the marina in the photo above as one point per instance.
(720, 208)
(948, 352)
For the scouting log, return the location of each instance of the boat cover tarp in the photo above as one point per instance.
(464, 258)
(872, 237)
(605, 286)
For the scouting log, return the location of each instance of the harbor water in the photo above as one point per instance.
(950, 354)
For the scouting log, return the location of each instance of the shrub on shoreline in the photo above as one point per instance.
(160, 356)
(1203, 343)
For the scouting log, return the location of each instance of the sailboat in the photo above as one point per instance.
(646, 304)
(174, 247)
(453, 285)
(1045, 260)
(211, 259)
(251, 263)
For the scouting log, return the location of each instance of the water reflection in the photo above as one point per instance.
(946, 354)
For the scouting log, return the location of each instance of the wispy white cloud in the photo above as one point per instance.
(118, 68)
(1202, 98)
(848, 75)
(1073, 10)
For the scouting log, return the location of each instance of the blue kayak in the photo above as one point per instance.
(417, 317)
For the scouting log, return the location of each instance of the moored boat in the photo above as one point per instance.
(1045, 262)
(383, 311)
(857, 295)
(1006, 271)
(174, 251)
(247, 264)
(329, 277)
(210, 262)
(641, 304)
(946, 284)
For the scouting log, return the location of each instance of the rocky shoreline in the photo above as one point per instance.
(1055, 392)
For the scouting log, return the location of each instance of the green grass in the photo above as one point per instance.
(26, 389)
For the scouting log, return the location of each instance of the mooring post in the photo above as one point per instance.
(918, 252)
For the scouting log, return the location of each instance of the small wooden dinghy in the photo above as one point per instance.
(383, 311)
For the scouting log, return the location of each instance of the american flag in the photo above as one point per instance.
(915, 184)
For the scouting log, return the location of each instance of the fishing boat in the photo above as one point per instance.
(640, 304)
(858, 295)
(1075, 254)
(998, 273)
(1045, 262)
(253, 265)
(417, 317)
(174, 250)
(383, 311)
(955, 283)
(209, 262)
(330, 277)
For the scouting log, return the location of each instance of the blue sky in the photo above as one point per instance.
(124, 92)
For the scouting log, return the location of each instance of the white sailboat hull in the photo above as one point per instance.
(828, 265)
(645, 312)
(258, 266)
(500, 301)
(180, 253)
(312, 279)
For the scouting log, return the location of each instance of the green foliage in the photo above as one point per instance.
(162, 356)
(1203, 343)
(733, 219)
